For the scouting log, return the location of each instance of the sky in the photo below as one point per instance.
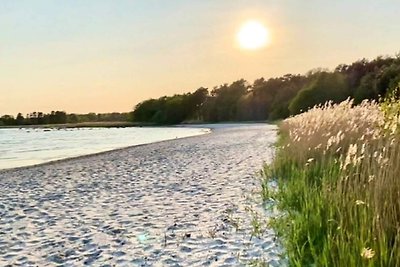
(108, 55)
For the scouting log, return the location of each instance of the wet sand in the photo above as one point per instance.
(184, 202)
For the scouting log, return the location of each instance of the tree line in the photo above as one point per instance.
(275, 98)
(264, 99)
(60, 117)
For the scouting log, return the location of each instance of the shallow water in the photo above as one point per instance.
(24, 147)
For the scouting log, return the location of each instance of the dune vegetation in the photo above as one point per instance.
(338, 174)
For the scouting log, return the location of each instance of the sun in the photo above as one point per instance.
(253, 35)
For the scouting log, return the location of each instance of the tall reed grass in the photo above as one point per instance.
(338, 171)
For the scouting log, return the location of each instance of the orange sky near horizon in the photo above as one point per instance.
(105, 56)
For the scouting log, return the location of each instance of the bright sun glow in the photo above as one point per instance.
(253, 35)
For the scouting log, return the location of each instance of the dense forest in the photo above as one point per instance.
(275, 98)
(60, 117)
(272, 99)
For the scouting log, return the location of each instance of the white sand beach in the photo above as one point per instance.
(184, 202)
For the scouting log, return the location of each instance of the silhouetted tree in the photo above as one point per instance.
(20, 119)
(275, 98)
(7, 120)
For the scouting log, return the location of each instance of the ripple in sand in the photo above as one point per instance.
(161, 204)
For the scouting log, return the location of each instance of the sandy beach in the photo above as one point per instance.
(184, 202)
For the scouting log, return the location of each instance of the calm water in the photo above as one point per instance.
(23, 147)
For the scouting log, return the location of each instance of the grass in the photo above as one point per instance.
(338, 173)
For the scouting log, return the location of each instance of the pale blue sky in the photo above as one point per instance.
(103, 56)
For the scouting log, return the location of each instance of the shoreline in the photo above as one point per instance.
(123, 124)
(105, 124)
(94, 154)
(177, 202)
(210, 127)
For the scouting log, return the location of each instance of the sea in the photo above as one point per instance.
(30, 146)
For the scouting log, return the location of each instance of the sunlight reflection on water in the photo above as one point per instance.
(24, 147)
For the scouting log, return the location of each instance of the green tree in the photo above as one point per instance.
(226, 99)
(20, 119)
(8, 120)
(326, 86)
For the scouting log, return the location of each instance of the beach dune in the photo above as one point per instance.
(184, 202)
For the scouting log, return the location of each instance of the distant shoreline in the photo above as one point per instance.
(111, 124)
(105, 124)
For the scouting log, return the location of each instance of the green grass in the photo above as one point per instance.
(321, 227)
(334, 215)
